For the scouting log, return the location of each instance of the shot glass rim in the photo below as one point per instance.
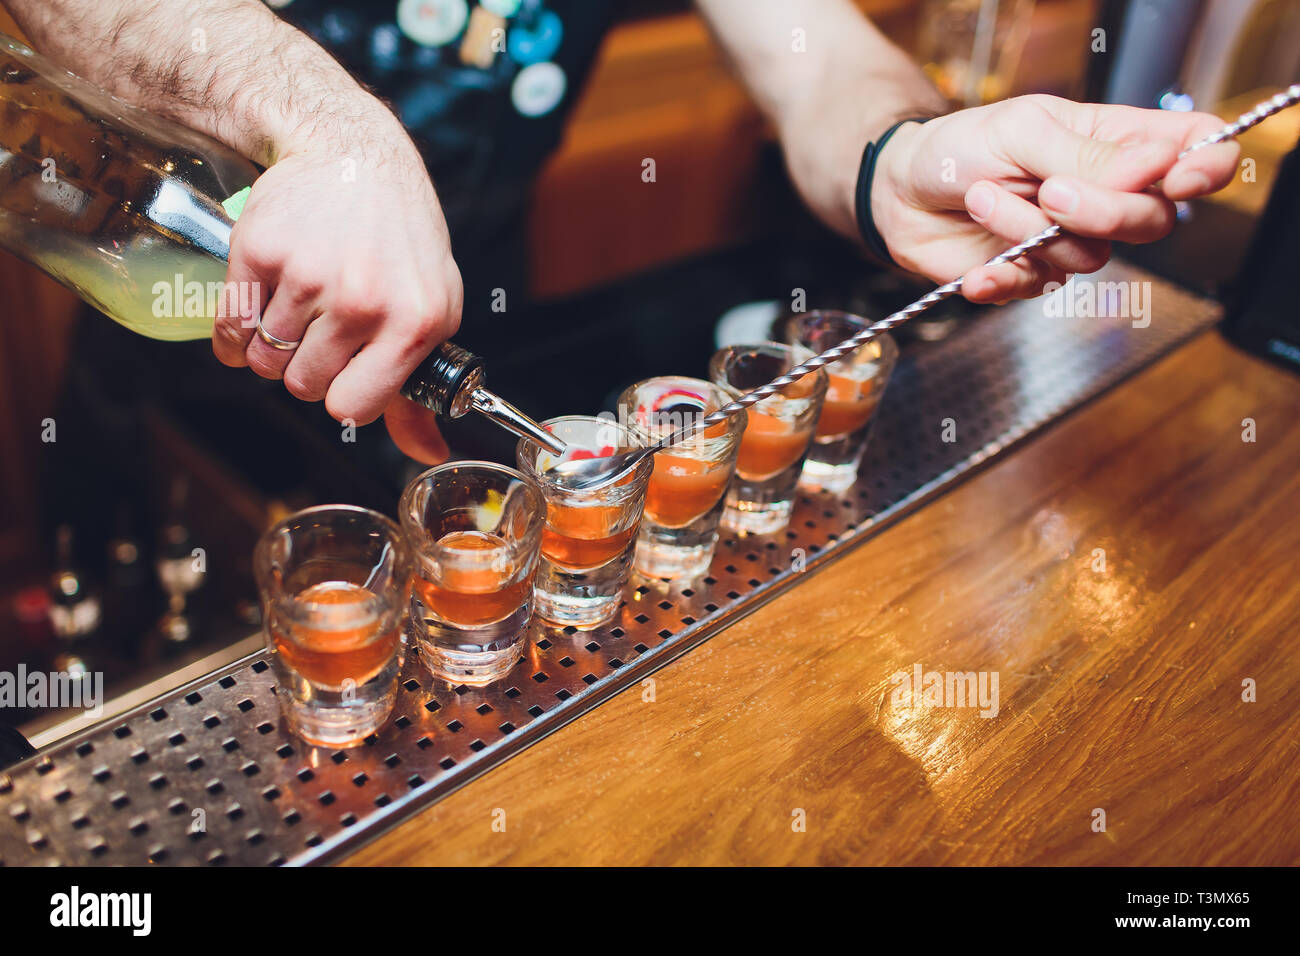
(889, 346)
(735, 423)
(295, 608)
(413, 530)
(629, 492)
(822, 379)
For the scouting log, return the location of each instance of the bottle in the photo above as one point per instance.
(75, 615)
(128, 585)
(111, 200)
(134, 212)
(181, 567)
(75, 611)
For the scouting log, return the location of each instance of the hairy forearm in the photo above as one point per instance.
(230, 68)
(828, 80)
(793, 53)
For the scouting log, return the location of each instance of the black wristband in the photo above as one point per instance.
(866, 173)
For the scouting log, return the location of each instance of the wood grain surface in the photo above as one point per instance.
(1119, 689)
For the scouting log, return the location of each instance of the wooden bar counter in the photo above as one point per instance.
(1124, 573)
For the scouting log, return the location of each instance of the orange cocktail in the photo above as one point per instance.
(584, 533)
(856, 383)
(770, 446)
(683, 502)
(849, 405)
(475, 528)
(588, 535)
(328, 656)
(335, 641)
(476, 582)
(581, 536)
(682, 489)
(779, 430)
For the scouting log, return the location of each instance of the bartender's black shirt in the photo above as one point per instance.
(483, 86)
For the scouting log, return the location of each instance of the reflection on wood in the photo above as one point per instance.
(1120, 689)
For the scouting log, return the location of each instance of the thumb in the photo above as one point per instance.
(414, 429)
(1054, 149)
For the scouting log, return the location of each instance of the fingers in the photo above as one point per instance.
(1097, 182)
(230, 335)
(1204, 171)
(356, 354)
(414, 429)
(1022, 279)
(1048, 148)
(1013, 219)
(233, 326)
(1090, 210)
(288, 317)
(1103, 173)
(324, 352)
(362, 391)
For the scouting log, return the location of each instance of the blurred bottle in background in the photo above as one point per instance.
(970, 48)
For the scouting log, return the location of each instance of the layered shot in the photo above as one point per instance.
(589, 540)
(687, 489)
(777, 436)
(854, 386)
(475, 529)
(333, 583)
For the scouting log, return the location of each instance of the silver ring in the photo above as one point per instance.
(275, 343)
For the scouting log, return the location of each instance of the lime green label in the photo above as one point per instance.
(235, 204)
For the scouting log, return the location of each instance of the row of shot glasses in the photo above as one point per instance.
(482, 547)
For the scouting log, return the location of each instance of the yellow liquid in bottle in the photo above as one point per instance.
(122, 207)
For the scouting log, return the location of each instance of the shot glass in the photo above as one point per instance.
(855, 384)
(777, 435)
(684, 500)
(590, 536)
(474, 529)
(333, 583)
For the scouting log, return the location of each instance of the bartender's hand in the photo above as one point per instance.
(1017, 166)
(349, 246)
(343, 232)
(952, 193)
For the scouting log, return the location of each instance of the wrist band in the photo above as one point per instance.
(866, 173)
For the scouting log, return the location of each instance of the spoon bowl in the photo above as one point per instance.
(583, 474)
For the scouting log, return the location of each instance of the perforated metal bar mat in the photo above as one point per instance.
(215, 753)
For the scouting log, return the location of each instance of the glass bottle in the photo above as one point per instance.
(112, 201)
